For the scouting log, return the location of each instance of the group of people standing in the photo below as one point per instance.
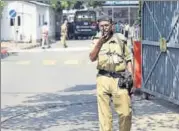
(45, 35)
(118, 27)
(122, 28)
(127, 30)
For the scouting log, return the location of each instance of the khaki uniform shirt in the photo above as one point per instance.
(110, 57)
(63, 30)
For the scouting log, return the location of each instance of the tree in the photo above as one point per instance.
(139, 17)
(95, 4)
(78, 5)
(139, 13)
(60, 5)
(2, 4)
(64, 4)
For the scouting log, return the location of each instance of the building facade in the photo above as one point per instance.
(123, 11)
(27, 23)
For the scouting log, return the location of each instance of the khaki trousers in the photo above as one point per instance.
(63, 40)
(106, 89)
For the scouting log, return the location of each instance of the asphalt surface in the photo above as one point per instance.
(54, 90)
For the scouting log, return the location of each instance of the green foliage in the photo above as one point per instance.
(78, 5)
(2, 4)
(95, 4)
(59, 5)
(64, 4)
(139, 13)
(53, 3)
(73, 4)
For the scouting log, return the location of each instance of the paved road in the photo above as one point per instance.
(54, 90)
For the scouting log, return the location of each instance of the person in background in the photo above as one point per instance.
(70, 30)
(113, 27)
(117, 27)
(122, 28)
(97, 26)
(64, 33)
(45, 33)
(126, 30)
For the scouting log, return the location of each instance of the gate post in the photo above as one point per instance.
(137, 64)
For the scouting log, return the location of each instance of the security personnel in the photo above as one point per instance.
(107, 50)
(45, 35)
(64, 33)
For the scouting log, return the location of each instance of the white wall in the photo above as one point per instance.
(5, 28)
(30, 28)
(41, 12)
(28, 20)
(49, 17)
(26, 28)
(52, 23)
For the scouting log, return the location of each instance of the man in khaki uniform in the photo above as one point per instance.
(107, 50)
(64, 33)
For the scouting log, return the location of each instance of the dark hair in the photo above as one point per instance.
(45, 23)
(105, 18)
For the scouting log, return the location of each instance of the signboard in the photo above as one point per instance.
(125, 2)
(12, 13)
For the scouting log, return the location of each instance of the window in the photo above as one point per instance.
(12, 22)
(19, 20)
(85, 16)
(39, 20)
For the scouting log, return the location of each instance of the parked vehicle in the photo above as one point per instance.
(85, 24)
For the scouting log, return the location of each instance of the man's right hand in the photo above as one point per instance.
(105, 37)
(97, 46)
(102, 39)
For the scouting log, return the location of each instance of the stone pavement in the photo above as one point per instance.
(75, 109)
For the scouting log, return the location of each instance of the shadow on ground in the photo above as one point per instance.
(71, 110)
(80, 88)
(53, 109)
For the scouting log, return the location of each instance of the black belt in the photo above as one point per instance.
(110, 74)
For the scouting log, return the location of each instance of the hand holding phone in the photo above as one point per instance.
(105, 36)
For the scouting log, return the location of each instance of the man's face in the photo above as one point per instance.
(105, 26)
